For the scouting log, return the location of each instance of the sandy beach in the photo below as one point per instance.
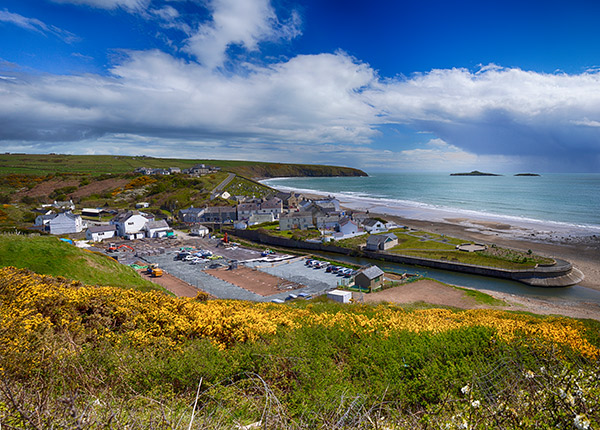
(579, 246)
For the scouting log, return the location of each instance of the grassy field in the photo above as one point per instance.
(244, 187)
(51, 256)
(428, 245)
(83, 357)
(41, 164)
(440, 247)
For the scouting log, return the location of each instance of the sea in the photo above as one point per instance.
(554, 205)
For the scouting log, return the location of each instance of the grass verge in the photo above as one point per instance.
(50, 256)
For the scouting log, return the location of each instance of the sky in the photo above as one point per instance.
(393, 85)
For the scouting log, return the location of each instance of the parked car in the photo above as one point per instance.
(181, 255)
(344, 272)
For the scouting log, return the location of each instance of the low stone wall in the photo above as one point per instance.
(561, 274)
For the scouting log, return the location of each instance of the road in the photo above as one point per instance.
(219, 188)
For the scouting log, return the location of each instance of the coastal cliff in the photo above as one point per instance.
(40, 164)
(278, 170)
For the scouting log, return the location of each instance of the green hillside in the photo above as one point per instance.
(41, 164)
(77, 357)
(51, 256)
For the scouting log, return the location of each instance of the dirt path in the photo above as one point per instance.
(173, 284)
(424, 291)
(436, 293)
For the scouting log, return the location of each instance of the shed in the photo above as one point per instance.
(381, 242)
(340, 296)
(369, 277)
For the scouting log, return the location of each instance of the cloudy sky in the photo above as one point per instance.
(399, 85)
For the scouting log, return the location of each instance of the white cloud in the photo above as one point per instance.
(35, 25)
(500, 111)
(310, 108)
(319, 108)
(309, 99)
(244, 23)
(129, 5)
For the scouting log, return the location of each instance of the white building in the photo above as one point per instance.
(64, 205)
(296, 220)
(260, 218)
(340, 296)
(199, 230)
(273, 206)
(130, 225)
(98, 233)
(374, 226)
(157, 228)
(65, 223)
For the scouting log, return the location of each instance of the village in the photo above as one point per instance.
(215, 264)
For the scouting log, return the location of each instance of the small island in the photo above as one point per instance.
(528, 174)
(474, 173)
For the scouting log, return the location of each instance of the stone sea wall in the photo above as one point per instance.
(560, 274)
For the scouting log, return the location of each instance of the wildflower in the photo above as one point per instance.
(466, 389)
(581, 423)
(475, 403)
(529, 375)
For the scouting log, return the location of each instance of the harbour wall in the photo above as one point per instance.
(560, 274)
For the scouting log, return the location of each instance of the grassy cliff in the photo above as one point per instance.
(41, 164)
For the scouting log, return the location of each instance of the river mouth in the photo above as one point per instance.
(572, 294)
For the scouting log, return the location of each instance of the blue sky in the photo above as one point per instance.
(398, 85)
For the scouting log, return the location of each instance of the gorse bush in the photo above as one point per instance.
(74, 356)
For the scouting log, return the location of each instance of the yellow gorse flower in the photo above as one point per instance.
(31, 305)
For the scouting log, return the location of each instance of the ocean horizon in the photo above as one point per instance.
(563, 203)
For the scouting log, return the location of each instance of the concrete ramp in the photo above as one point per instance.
(573, 277)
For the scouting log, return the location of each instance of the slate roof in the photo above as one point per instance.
(372, 272)
(153, 225)
(376, 239)
(370, 222)
(101, 228)
(122, 217)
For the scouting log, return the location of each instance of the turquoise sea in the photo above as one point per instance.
(565, 202)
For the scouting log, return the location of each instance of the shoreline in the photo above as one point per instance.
(576, 244)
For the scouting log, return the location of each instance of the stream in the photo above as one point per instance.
(574, 293)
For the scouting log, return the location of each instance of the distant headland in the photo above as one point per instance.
(474, 173)
(528, 174)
